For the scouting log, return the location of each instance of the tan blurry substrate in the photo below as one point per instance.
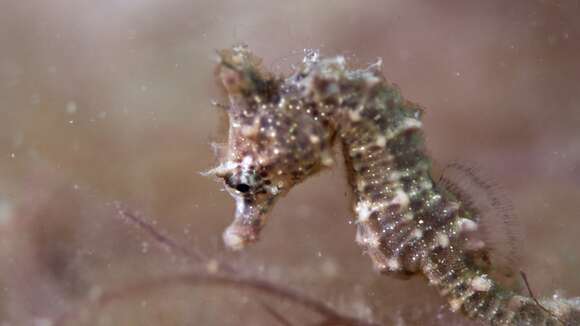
(110, 101)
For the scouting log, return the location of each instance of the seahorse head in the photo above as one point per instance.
(274, 143)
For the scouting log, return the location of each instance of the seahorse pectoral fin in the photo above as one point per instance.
(249, 220)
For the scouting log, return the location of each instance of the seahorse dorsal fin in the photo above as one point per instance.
(487, 201)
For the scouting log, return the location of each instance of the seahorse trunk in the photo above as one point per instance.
(407, 225)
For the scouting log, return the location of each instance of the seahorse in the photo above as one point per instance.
(283, 130)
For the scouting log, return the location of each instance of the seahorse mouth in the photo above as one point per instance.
(245, 228)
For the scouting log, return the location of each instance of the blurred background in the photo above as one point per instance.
(104, 101)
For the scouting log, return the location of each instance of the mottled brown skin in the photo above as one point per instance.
(282, 130)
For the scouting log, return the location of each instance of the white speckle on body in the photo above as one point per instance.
(481, 283)
(363, 211)
(354, 115)
(394, 176)
(373, 240)
(474, 244)
(434, 200)
(360, 185)
(442, 240)
(417, 234)
(455, 304)
(408, 217)
(426, 185)
(251, 130)
(360, 237)
(466, 224)
(381, 141)
(272, 190)
(406, 125)
(247, 161)
(401, 199)
(393, 264)
(411, 124)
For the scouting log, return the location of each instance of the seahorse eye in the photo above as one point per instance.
(237, 185)
(242, 187)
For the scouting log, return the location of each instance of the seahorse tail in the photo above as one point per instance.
(478, 296)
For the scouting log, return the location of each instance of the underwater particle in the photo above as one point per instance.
(71, 107)
(6, 212)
